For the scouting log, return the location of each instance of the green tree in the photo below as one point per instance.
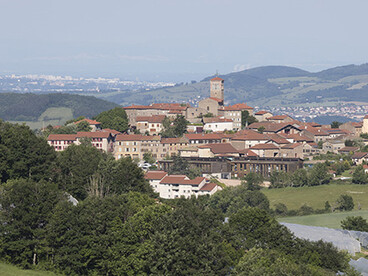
(359, 175)
(281, 209)
(318, 175)
(357, 223)
(76, 165)
(260, 261)
(115, 118)
(23, 154)
(175, 128)
(261, 129)
(26, 207)
(247, 119)
(299, 178)
(231, 199)
(279, 179)
(83, 126)
(345, 203)
(147, 157)
(253, 181)
(335, 124)
(122, 176)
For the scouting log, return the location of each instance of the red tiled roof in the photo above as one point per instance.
(247, 152)
(356, 124)
(359, 155)
(348, 149)
(61, 137)
(128, 137)
(264, 146)
(216, 120)
(278, 117)
(151, 119)
(181, 179)
(277, 138)
(297, 137)
(113, 131)
(239, 106)
(208, 187)
(261, 112)
(203, 136)
(217, 79)
(292, 146)
(270, 126)
(91, 122)
(98, 134)
(219, 148)
(138, 107)
(155, 175)
(174, 140)
(366, 117)
(216, 99)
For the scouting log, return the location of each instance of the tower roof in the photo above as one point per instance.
(217, 79)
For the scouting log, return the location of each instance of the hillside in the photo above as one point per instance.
(267, 86)
(38, 110)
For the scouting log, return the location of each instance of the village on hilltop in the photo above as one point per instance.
(221, 141)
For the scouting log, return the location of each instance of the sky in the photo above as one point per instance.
(177, 40)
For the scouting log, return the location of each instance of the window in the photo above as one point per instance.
(127, 149)
(120, 149)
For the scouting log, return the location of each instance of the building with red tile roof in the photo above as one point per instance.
(175, 186)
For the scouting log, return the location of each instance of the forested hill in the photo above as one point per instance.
(269, 86)
(30, 107)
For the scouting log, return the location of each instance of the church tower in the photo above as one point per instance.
(217, 89)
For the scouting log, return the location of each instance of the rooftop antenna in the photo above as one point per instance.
(217, 73)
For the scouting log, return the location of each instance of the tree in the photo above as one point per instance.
(253, 181)
(281, 209)
(83, 126)
(318, 175)
(247, 119)
(279, 179)
(299, 178)
(147, 157)
(357, 223)
(260, 261)
(335, 124)
(345, 203)
(122, 176)
(175, 128)
(359, 175)
(115, 118)
(25, 212)
(261, 129)
(76, 164)
(23, 154)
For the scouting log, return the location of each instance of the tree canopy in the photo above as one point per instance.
(115, 118)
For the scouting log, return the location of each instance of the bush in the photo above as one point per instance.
(345, 203)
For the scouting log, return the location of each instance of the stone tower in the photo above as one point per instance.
(365, 124)
(217, 88)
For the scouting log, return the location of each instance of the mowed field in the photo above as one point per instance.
(316, 196)
(52, 116)
(11, 270)
(330, 220)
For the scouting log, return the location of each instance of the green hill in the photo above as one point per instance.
(267, 86)
(41, 110)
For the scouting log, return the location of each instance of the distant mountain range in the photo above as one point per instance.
(266, 86)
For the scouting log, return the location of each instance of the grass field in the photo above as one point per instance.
(52, 116)
(316, 196)
(11, 270)
(331, 220)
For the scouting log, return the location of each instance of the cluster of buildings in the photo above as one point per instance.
(215, 141)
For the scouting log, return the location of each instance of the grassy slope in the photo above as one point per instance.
(11, 270)
(332, 220)
(52, 116)
(316, 196)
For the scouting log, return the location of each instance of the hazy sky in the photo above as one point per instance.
(169, 38)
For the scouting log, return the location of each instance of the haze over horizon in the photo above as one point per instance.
(178, 40)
